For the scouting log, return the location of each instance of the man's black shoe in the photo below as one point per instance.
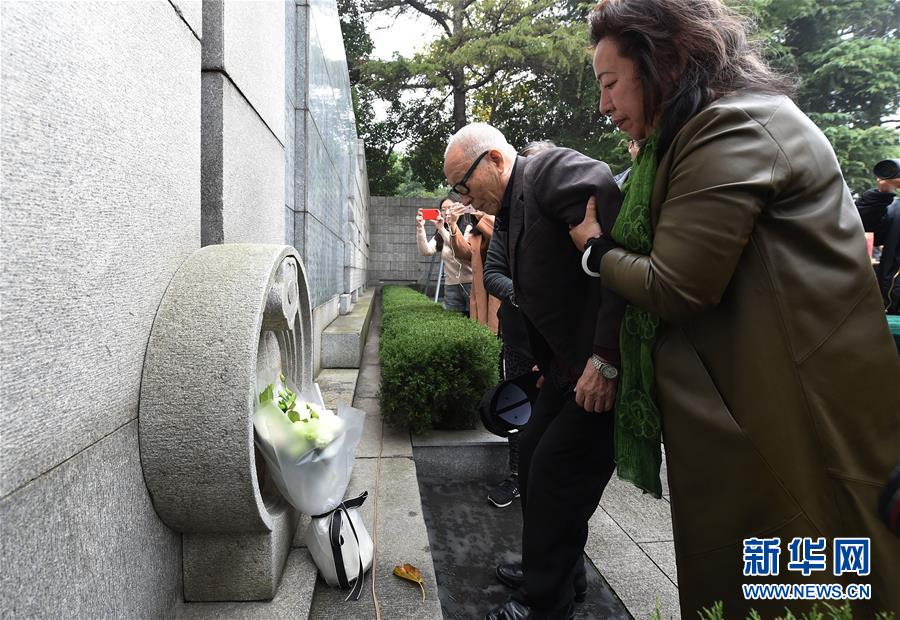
(516, 610)
(510, 610)
(512, 576)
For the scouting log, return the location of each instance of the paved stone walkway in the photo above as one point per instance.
(400, 533)
(629, 537)
(629, 542)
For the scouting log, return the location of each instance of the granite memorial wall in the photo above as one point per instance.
(132, 135)
(328, 162)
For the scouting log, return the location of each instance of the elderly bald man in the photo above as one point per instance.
(566, 454)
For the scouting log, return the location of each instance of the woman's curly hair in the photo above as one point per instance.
(688, 53)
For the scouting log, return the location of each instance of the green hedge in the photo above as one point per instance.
(435, 364)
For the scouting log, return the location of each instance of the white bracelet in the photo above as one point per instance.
(584, 263)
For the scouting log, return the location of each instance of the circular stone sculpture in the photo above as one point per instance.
(232, 316)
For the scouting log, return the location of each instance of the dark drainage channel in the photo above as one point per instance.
(469, 536)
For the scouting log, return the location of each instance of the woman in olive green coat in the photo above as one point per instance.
(776, 377)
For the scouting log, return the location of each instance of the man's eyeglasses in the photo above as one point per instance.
(461, 188)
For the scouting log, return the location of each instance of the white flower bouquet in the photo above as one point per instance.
(309, 449)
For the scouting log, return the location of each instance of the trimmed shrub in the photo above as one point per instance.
(435, 364)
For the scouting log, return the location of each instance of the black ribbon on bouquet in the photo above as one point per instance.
(338, 514)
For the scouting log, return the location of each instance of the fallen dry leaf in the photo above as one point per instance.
(410, 572)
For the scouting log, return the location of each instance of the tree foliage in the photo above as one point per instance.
(523, 66)
(845, 54)
(480, 44)
(380, 138)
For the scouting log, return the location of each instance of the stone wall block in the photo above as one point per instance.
(191, 11)
(243, 169)
(290, 155)
(83, 540)
(246, 41)
(300, 218)
(323, 183)
(300, 159)
(290, 52)
(325, 250)
(290, 224)
(301, 56)
(392, 238)
(216, 566)
(100, 165)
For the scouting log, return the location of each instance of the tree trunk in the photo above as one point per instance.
(459, 105)
(459, 78)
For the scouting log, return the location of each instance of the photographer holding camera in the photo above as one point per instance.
(879, 210)
(473, 248)
(457, 271)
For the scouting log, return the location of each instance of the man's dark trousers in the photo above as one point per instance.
(566, 459)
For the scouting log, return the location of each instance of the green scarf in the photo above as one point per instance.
(638, 423)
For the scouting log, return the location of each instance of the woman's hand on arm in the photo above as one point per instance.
(588, 229)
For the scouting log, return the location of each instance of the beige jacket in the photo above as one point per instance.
(776, 374)
(456, 269)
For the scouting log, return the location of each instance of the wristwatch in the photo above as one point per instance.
(604, 368)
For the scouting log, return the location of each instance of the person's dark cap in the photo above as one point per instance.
(887, 169)
(506, 408)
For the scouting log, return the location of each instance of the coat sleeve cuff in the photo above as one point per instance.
(610, 355)
(595, 250)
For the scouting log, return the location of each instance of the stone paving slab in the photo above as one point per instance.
(605, 534)
(636, 580)
(378, 435)
(369, 382)
(663, 555)
(664, 476)
(488, 463)
(292, 600)
(643, 518)
(371, 354)
(630, 542)
(338, 386)
(469, 537)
